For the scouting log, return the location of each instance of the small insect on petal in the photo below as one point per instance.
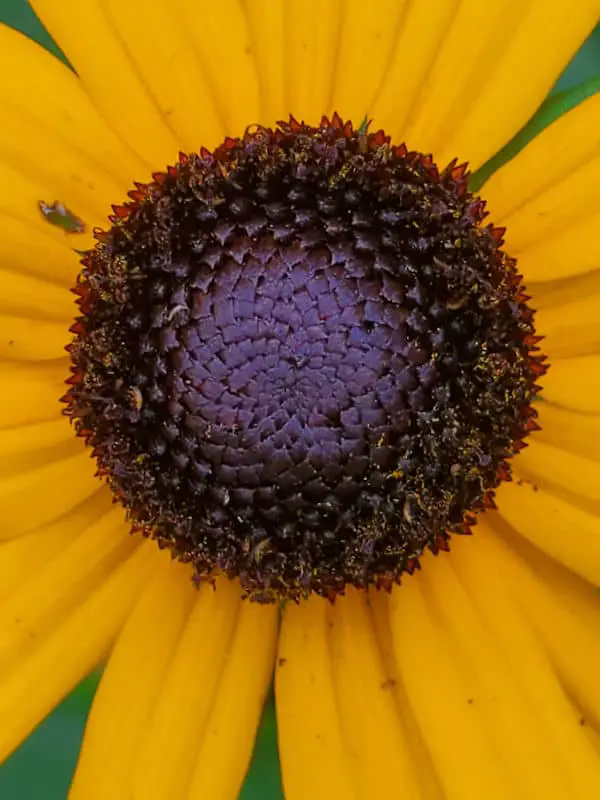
(60, 216)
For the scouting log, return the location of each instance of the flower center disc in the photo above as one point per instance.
(301, 359)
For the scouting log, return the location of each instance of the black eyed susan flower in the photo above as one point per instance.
(305, 362)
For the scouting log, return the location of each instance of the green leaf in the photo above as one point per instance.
(19, 14)
(551, 109)
(583, 66)
(263, 781)
(42, 767)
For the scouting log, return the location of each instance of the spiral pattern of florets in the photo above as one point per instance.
(303, 358)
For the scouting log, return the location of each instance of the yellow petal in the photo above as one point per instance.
(131, 684)
(228, 741)
(592, 734)
(164, 59)
(562, 166)
(21, 558)
(568, 430)
(439, 687)
(567, 755)
(266, 29)
(311, 29)
(220, 38)
(549, 466)
(32, 445)
(570, 329)
(553, 293)
(32, 247)
(574, 383)
(563, 253)
(108, 74)
(429, 785)
(307, 718)
(74, 648)
(371, 728)
(366, 44)
(169, 747)
(507, 696)
(71, 167)
(62, 108)
(29, 395)
(23, 339)
(572, 592)
(55, 488)
(24, 295)
(564, 616)
(571, 142)
(535, 42)
(22, 201)
(32, 456)
(455, 74)
(55, 590)
(423, 30)
(556, 209)
(563, 530)
(76, 180)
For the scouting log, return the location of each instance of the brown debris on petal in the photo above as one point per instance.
(302, 359)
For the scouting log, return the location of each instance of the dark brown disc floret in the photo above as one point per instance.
(303, 358)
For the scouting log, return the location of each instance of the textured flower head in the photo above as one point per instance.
(302, 359)
(306, 359)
